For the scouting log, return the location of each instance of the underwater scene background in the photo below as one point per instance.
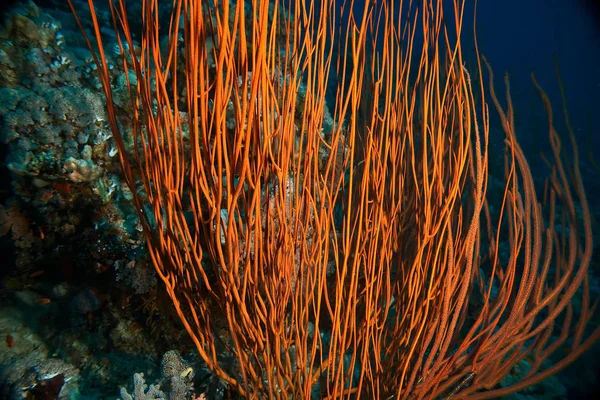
(85, 313)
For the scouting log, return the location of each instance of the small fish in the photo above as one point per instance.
(36, 273)
(10, 341)
(47, 196)
(44, 300)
